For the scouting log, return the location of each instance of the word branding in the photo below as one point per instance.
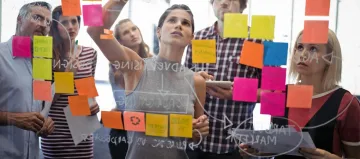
(66, 64)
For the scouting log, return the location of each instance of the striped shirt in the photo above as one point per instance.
(60, 143)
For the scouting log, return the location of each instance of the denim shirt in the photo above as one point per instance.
(118, 92)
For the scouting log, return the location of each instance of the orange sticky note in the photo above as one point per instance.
(317, 8)
(156, 125)
(299, 96)
(42, 90)
(252, 54)
(71, 7)
(86, 86)
(112, 119)
(107, 31)
(106, 36)
(64, 82)
(134, 121)
(315, 32)
(79, 105)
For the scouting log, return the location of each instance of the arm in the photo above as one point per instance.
(5, 118)
(350, 130)
(200, 89)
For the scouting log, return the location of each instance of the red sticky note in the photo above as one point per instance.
(315, 31)
(252, 54)
(21, 46)
(299, 96)
(93, 15)
(112, 119)
(86, 86)
(245, 89)
(317, 8)
(272, 103)
(134, 121)
(273, 78)
(79, 105)
(71, 7)
(42, 90)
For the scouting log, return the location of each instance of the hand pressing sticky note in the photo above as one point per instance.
(262, 27)
(93, 15)
(236, 25)
(272, 103)
(42, 69)
(273, 78)
(245, 89)
(317, 8)
(134, 121)
(71, 7)
(315, 32)
(275, 53)
(112, 119)
(156, 125)
(64, 82)
(21, 46)
(43, 46)
(203, 51)
(42, 90)
(86, 86)
(181, 125)
(252, 54)
(299, 96)
(79, 105)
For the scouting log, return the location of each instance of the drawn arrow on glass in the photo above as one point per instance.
(192, 145)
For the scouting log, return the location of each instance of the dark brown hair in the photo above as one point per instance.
(173, 7)
(243, 4)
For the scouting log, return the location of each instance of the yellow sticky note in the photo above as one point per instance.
(156, 125)
(64, 82)
(181, 125)
(203, 51)
(43, 46)
(262, 27)
(42, 69)
(236, 25)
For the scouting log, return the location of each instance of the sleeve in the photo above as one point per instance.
(188, 58)
(349, 124)
(94, 63)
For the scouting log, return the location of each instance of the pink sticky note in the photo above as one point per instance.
(93, 15)
(245, 89)
(273, 78)
(272, 103)
(21, 46)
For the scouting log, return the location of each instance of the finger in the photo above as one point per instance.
(37, 123)
(39, 116)
(312, 151)
(310, 156)
(213, 93)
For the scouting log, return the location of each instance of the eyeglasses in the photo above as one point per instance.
(39, 19)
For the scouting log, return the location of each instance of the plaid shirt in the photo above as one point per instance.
(227, 67)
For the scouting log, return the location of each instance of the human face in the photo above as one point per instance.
(129, 35)
(177, 29)
(221, 7)
(71, 25)
(37, 22)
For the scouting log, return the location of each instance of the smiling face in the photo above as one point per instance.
(71, 25)
(221, 7)
(129, 34)
(36, 22)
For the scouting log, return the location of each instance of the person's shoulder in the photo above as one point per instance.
(88, 49)
(199, 81)
(349, 103)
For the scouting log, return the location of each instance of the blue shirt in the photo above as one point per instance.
(16, 96)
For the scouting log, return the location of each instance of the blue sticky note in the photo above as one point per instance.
(275, 53)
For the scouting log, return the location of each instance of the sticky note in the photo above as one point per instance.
(252, 54)
(156, 125)
(262, 27)
(272, 103)
(236, 25)
(107, 31)
(43, 46)
(86, 86)
(275, 53)
(42, 69)
(315, 31)
(64, 82)
(181, 125)
(273, 78)
(245, 89)
(93, 15)
(106, 37)
(42, 90)
(21, 46)
(79, 105)
(299, 96)
(203, 51)
(71, 7)
(317, 8)
(112, 119)
(134, 121)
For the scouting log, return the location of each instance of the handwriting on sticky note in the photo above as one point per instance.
(236, 25)
(156, 125)
(64, 82)
(299, 96)
(43, 46)
(42, 90)
(262, 27)
(273, 78)
(134, 121)
(71, 7)
(317, 8)
(252, 54)
(203, 51)
(79, 105)
(315, 31)
(245, 89)
(272, 103)
(42, 69)
(21, 46)
(86, 86)
(181, 125)
(112, 119)
(275, 53)
(93, 15)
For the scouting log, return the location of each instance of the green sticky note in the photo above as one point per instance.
(235, 25)
(43, 46)
(262, 27)
(42, 69)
